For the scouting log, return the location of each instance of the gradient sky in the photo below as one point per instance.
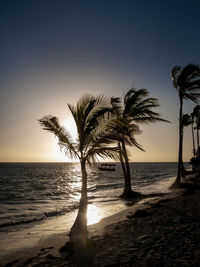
(53, 52)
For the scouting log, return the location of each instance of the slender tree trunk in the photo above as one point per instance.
(128, 192)
(197, 142)
(180, 160)
(121, 160)
(127, 188)
(78, 233)
(193, 140)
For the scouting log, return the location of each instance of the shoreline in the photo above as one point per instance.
(52, 243)
(30, 235)
(47, 249)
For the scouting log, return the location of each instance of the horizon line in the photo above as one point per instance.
(92, 162)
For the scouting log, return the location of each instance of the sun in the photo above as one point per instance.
(59, 155)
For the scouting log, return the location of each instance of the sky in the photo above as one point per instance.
(54, 52)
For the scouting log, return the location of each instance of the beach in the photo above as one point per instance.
(162, 231)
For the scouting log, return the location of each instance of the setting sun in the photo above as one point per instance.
(58, 154)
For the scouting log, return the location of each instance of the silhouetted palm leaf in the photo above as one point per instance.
(51, 124)
(187, 120)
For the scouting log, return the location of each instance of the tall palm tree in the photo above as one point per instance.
(188, 120)
(136, 109)
(196, 115)
(93, 140)
(193, 139)
(187, 83)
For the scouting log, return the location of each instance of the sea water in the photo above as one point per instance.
(41, 199)
(36, 191)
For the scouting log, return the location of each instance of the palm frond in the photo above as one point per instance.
(141, 111)
(192, 97)
(187, 74)
(133, 97)
(186, 120)
(174, 73)
(102, 152)
(116, 105)
(51, 123)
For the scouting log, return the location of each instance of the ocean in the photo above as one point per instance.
(39, 200)
(32, 192)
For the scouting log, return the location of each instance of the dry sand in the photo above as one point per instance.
(161, 233)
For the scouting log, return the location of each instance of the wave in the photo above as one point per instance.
(39, 217)
(108, 186)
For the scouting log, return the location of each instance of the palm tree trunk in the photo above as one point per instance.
(127, 178)
(197, 142)
(121, 160)
(78, 233)
(193, 140)
(180, 159)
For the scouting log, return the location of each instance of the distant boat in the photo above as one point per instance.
(107, 167)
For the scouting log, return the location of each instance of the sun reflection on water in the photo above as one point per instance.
(94, 214)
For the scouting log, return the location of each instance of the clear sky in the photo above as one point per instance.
(53, 52)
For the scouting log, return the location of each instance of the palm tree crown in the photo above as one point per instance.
(187, 81)
(136, 109)
(93, 129)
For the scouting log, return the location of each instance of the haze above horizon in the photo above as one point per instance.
(53, 52)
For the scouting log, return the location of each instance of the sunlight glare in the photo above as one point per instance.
(93, 214)
(59, 155)
(70, 125)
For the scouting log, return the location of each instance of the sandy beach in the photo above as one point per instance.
(158, 232)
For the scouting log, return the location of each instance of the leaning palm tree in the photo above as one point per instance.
(187, 83)
(93, 140)
(136, 109)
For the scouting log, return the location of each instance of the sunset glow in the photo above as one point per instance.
(58, 154)
(59, 61)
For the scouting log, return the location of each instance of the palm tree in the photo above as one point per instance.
(196, 115)
(193, 139)
(188, 120)
(187, 83)
(136, 109)
(93, 140)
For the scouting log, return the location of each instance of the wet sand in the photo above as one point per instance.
(164, 232)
